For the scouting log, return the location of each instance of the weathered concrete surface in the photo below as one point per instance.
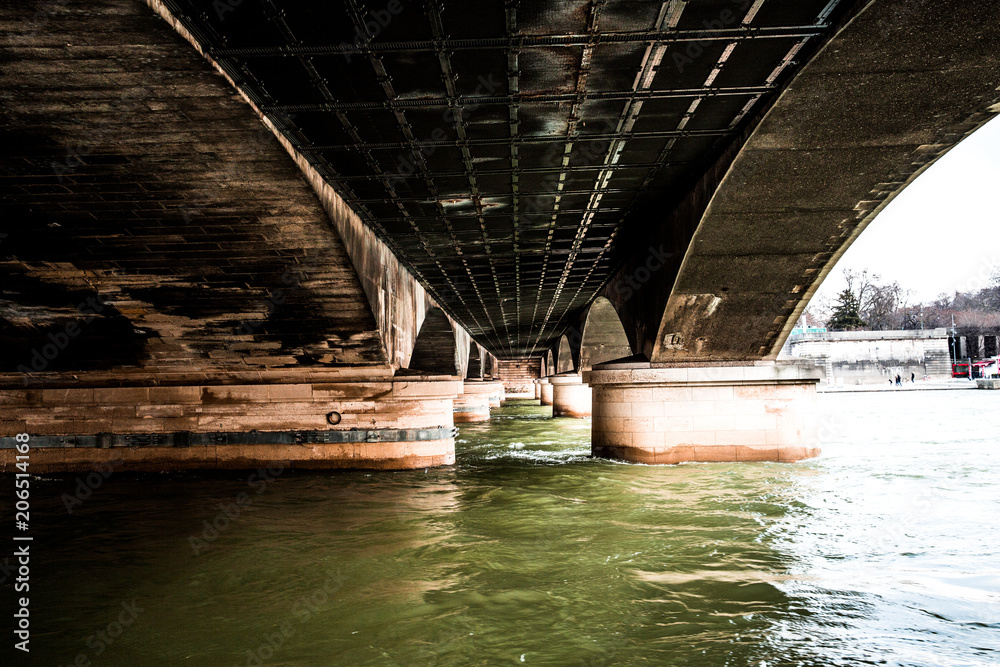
(130, 176)
(853, 127)
(473, 405)
(476, 362)
(644, 414)
(149, 415)
(547, 390)
(436, 348)
(887, 96)
(167, 269)
(497, 393)
(157, 238)
(134, 178)
(570, 396)
(399, 302)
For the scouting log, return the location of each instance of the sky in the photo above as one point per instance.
(942, 233)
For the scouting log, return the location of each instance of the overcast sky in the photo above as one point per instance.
(942, 233)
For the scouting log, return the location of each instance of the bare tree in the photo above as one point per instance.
(879, 305)
(989, 296)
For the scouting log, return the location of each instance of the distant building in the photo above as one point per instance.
(870, 357)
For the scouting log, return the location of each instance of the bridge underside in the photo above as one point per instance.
(233, 230)
(176, 291)
(511, 154)
(153, 225)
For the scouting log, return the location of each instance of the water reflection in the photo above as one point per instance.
(530, 552)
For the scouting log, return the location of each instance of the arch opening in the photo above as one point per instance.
(779, 220)
(604, 337)
(475, 366)
(435, 350)
(564, 357)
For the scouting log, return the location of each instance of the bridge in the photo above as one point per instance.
(241, 231)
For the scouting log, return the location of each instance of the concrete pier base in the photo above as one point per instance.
(498, 394)
(570, 396)
(396, 423)
(538, 389)
(762, 412)
(546, 391)
(474, 404)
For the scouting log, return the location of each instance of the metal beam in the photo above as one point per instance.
(480, 100)
(740, 33)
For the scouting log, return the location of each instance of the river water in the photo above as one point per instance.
(884, 551)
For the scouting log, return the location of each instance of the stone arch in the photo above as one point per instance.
(821, 165)
(564, 357)
(435, 350)
(474, 369)
(550, 365)
(604, 337)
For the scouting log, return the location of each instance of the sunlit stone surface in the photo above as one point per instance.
(720, 413)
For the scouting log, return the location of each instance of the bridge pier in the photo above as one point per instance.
(655, 414)
(546, 390)
(474, 404)
(389, 423)
(538, 389)
(497, 393)
(570, 396)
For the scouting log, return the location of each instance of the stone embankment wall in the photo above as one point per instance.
(517, 375)
(871, 357)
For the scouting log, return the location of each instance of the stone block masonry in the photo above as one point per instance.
(473, 405)
(391, 424)
(570, 396)
(761, 412)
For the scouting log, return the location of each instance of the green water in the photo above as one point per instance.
(883, 551)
